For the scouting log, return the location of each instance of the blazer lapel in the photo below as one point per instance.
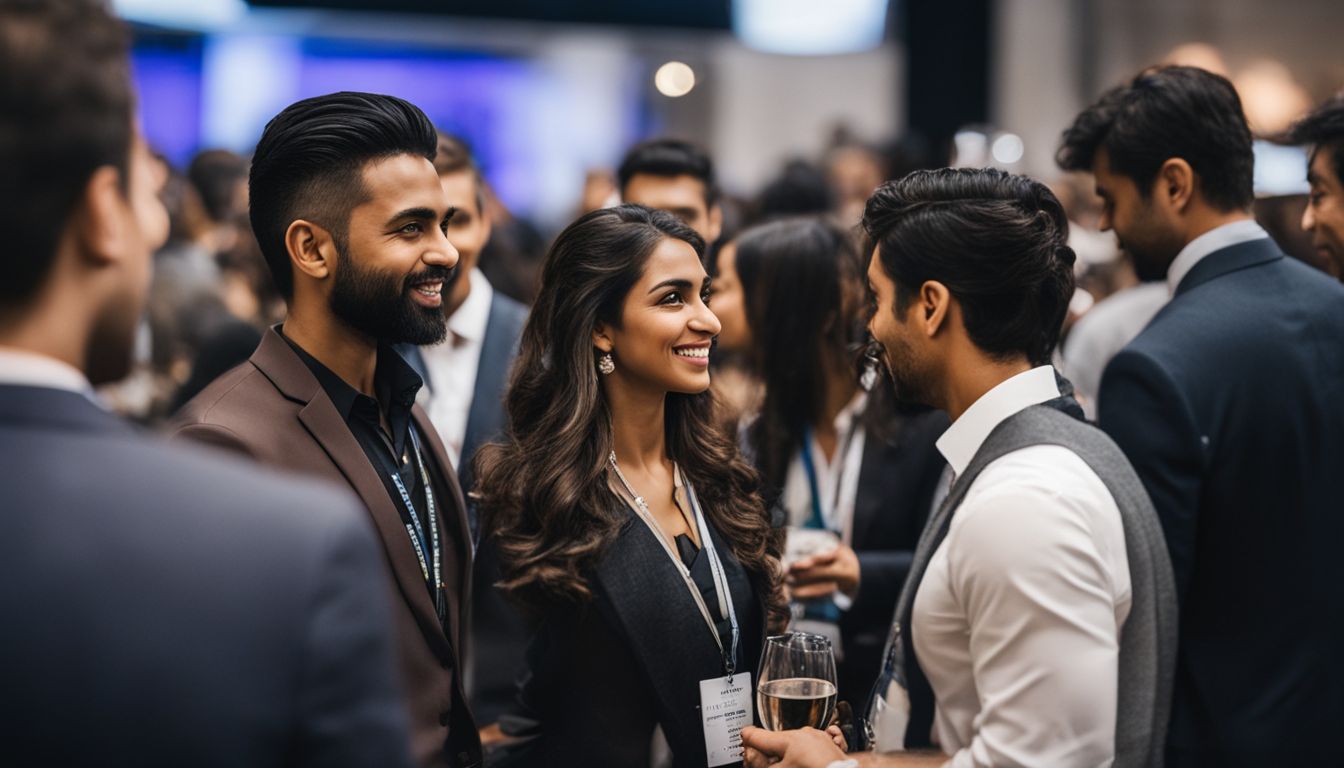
(666, 631)
(452, 523)
(282, 366)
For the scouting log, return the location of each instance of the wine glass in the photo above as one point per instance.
(796, 682)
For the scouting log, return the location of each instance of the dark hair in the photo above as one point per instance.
(310, 161)
(65, 112)
(216, 175)
(454, 156)
(800, 189)
(996, 240)
(1323, 128)
(1168, 112)
(543, 492)
(800, 283)
(669, 157)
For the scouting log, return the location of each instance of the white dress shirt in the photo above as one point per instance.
(452, 366)
(30, 369)
(1215, 239)
(1017, 620)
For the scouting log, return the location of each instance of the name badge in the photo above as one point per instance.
(725, 708)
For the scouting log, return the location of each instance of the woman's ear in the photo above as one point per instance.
(602, 337)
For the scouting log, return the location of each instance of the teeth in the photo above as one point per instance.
(700, 352)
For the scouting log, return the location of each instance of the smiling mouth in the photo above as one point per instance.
(431, 289)
(693, 353)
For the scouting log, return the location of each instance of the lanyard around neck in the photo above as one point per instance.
(416, 530)
(721, 586)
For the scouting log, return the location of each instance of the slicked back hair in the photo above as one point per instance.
(65, 112)
(310, 161)
(1323, 128)
(669, 158)
(1164, 113)
(996, 240)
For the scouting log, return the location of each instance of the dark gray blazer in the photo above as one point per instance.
(170, 606)
(1229, 406)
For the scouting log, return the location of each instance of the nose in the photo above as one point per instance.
(1308, 218)
(441, 252)
(705, 321)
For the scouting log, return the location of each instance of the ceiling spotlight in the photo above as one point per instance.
(1007, 148)
(674, 79)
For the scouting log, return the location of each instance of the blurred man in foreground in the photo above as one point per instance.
(163, 607)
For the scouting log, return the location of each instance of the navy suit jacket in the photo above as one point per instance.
(170, 606)
(1229, 406)
(499, 635)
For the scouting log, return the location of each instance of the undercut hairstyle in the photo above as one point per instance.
(65, 111)
(669, 158)
(1323, 128)
(1164, 113)
(310, 164)
(454, 156)
(997, 241)
(544, 492)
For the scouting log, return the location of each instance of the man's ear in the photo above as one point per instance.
(934, 306)
(715, 224)
(102, 224)
(311, 249)
(602, 337)
(1175, 184)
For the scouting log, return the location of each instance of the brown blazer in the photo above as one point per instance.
(272, 409)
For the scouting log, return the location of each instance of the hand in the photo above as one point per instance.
(838, 736)
(803, 748)
(822, 574)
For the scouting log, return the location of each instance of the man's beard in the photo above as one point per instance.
(912, 392)
(379, 304)
(1151, 246)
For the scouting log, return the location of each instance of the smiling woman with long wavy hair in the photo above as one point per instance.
(592, 501)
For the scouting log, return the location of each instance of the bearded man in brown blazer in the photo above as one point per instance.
(351, 217)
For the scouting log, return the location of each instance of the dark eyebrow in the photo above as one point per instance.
(678, 283)
(416, 214)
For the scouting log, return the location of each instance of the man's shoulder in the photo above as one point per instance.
(508, 312)
(241, 402)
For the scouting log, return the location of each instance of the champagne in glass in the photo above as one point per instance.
(796, 687)
(795, 702)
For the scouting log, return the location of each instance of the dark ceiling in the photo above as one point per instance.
(693, 14)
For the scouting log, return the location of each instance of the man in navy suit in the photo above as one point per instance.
(465, 379)
(1228, 406)
(162, 607)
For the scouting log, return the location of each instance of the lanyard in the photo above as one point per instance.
(818, 519)
(715, 565)
(417, 532)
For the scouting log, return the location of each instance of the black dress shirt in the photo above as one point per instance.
(392, 451)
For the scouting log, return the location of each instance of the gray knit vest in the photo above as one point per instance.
(1148, 638)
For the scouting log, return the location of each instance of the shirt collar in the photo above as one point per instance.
(395, 383)
(1216, 239)
(470, 319)
(963, 439)
(31, 369)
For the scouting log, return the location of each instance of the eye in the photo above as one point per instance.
(412, 228)
(706, 296)
(672, 299)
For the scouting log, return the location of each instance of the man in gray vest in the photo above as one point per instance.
(1039, 615)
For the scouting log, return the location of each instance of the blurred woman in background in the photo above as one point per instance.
(625, 519)
(851, 474)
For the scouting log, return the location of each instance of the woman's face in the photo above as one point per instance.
(730, 303)
(666, 326)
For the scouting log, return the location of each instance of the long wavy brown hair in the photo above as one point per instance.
(543, 492)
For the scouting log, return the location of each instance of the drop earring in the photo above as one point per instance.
(605, 364)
